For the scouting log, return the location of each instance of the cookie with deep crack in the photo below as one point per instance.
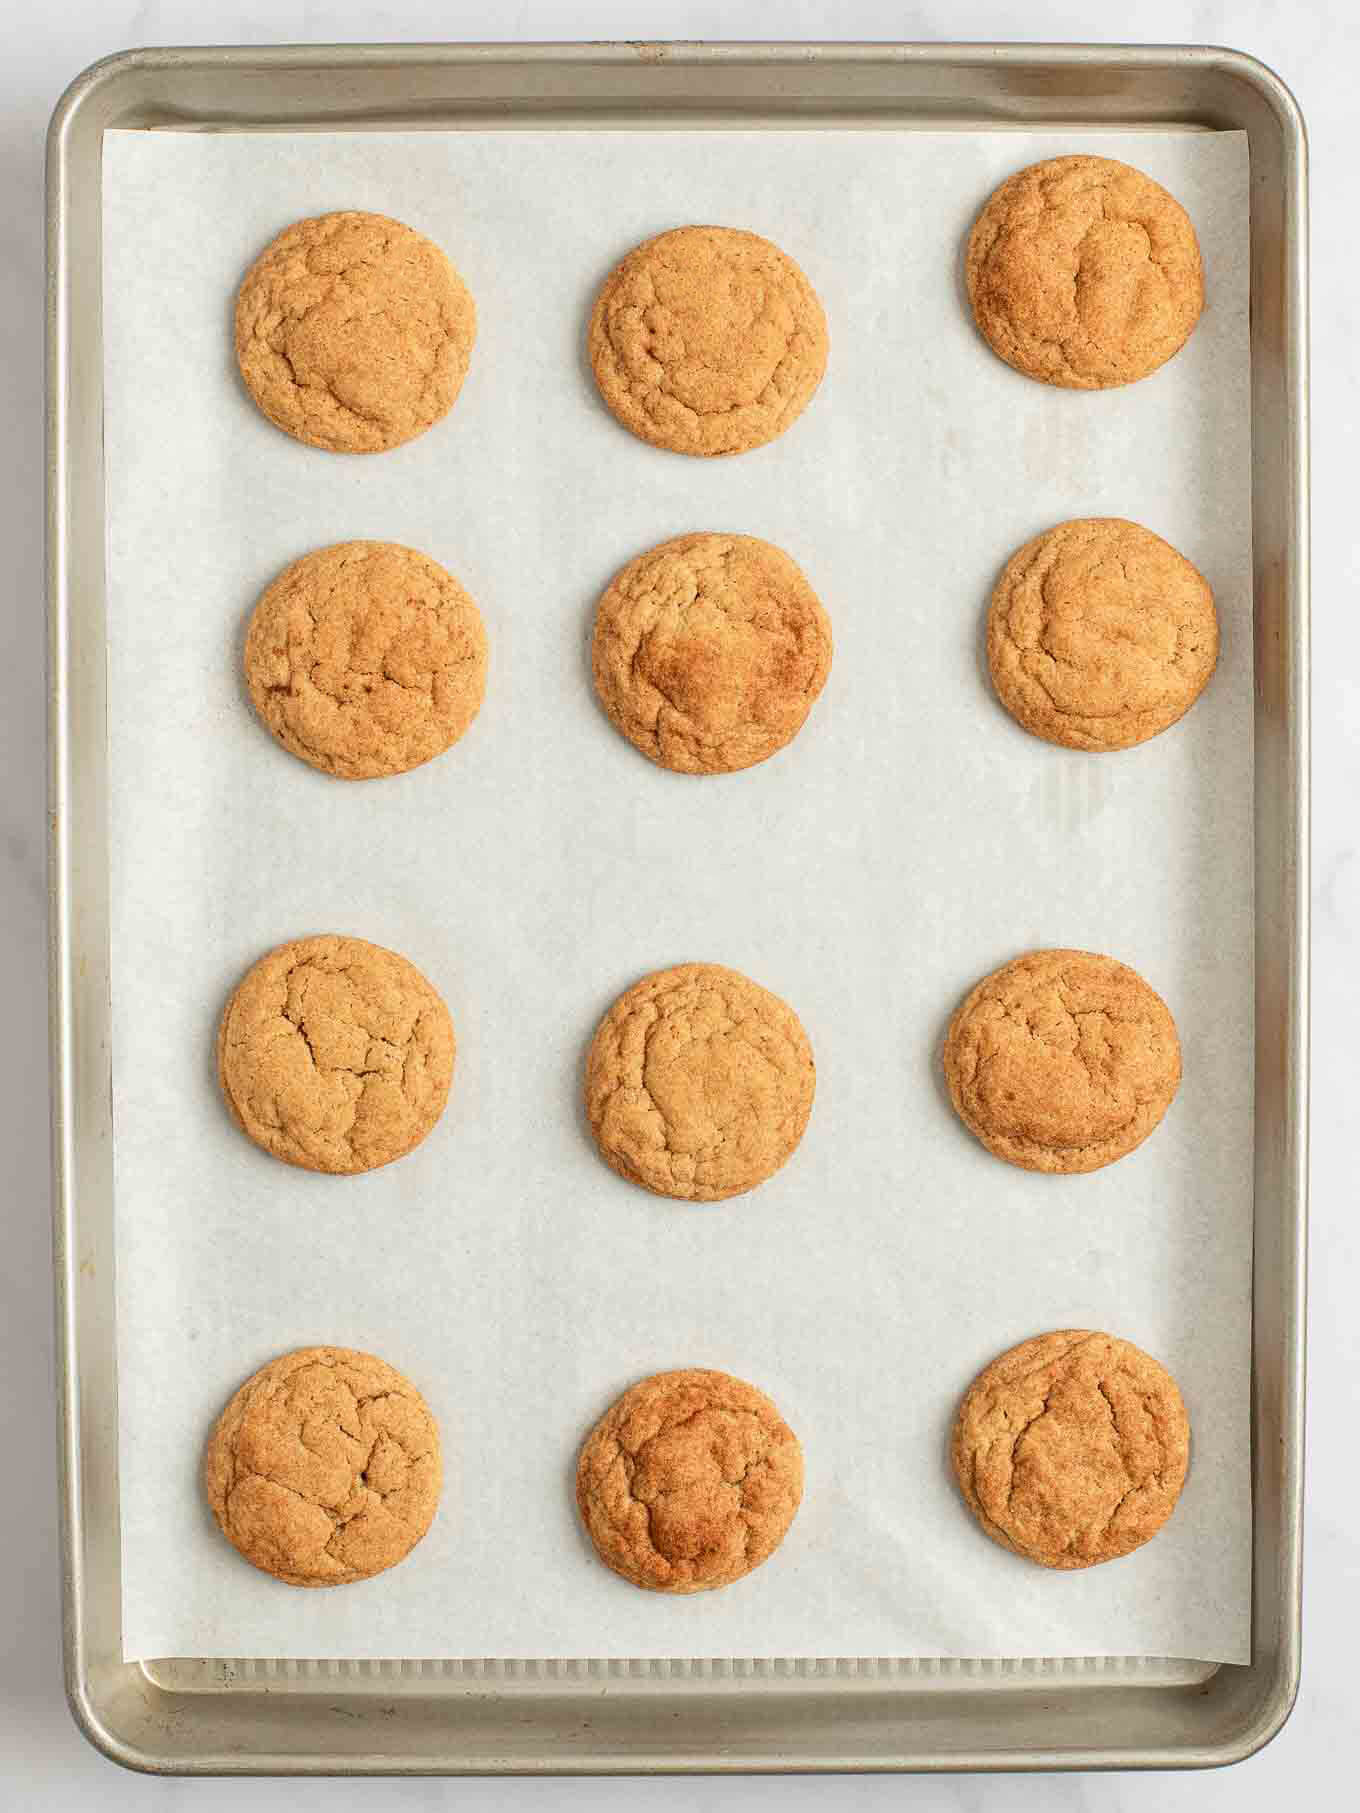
(324, 1468)
(709, 652)
(689, 1481)
(1072, 1448)
(1100, 635)
(335, 1054)
(366, 659)
(1084, 272)
(699, 1083)
(1062, 1061)
(354, 332)
(707, 340)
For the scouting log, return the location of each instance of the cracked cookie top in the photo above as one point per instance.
(689, 1481)
(335, 1054)
(324, 1467)
(1062, 1061)
(1100, 635)
(366, 659)
(709, 652)
(699, 1083)
(1084, 272)
(1072, 1448)
(707, 340)
(353, 332)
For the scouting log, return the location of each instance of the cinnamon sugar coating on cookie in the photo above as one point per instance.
(709, 652)
(1100, 635)
(1062, 1061)
(1084, 272)
(335, 1054)
(707, 340)
(353, 332)
(324, 1468)
(689, 1481)
(699, 1083)
(1072, 1448)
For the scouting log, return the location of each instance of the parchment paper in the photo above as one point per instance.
(910, 839)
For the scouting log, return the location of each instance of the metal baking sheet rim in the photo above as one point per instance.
(258, 1717)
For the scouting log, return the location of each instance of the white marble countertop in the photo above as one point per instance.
(1315, 46)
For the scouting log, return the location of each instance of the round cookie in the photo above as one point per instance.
(699, 1083)
(1085, 273)
(1072, 1448)
(324, 1468)
(353, 332)
(707, 340)
(709, 651)
(366, 659)
(1100, 634)
(1062, 1061)
(335, 1054)
(690, 1480)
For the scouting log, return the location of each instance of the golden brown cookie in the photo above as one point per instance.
(353, 332)
(709, 651)
(1062, 1061)
(366, 659)
(1084, 272)
(335, 1055)
(699, 1083)
(1072, 1448)
(1100, 634)
(689, 1481)
(707, 340)
(324, 1468)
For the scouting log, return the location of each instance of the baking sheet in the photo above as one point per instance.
(909, 840)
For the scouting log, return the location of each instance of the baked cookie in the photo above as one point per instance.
(1100, 634)
(709, 651)
(1084, 272)
(707, 340)
(1072, 1448)
(366, 659)
(699, 1083)
(1062, 1061)
(335, 1055)
(324, 1468)
(353, 332)
(689, 1481)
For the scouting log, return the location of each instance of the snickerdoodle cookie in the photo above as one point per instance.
(366, 659)
(324, 1468)
(1100, 634)
(699, 1083)
(707, 340)
(335, 1054)
(353, 332)
(689, 1481)
(709, 651)
(1084, 272)
(1062, 1061)
(1072, 1448)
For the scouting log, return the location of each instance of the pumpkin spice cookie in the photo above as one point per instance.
(1072, 1448)
(353, 332)
(699, 1083)
(709, 651)
(1062, 1061)
(707, 340)
(1100, 635)
(690, 1480)
(1084, 272)
(366, 659)
(335, 1055)
(324, 1468)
